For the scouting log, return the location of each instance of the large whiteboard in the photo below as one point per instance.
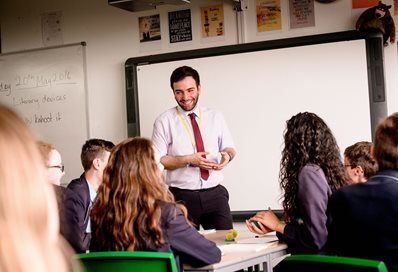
(258, 92)
(47, 88)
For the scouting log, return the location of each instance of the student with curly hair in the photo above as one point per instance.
(358, 162)
(135, 211)
(311, 169)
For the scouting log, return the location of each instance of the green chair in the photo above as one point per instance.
(128, 261)
(323, 263)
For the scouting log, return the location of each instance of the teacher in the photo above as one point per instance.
(194, 144)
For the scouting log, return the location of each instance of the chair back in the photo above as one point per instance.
(323, 263)
(127, 261)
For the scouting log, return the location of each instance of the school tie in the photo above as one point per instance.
(199, 144)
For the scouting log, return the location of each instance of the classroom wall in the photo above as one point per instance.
(112, 37)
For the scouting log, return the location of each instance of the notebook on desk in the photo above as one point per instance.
(205, 232)
(242, 247)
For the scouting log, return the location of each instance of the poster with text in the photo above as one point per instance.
(149, 27)
(180, 26)
(52, 29)
(268, 13)
(364, 3)
(301, 13)
(212, 18)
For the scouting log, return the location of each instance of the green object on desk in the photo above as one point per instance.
(123, 261)
(329, 264)
(256, 224)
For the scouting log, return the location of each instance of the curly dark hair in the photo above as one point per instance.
(308, 140)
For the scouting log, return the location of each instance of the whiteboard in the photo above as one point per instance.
(258, 91)
(47, 88)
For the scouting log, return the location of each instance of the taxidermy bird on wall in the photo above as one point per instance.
(378, 17)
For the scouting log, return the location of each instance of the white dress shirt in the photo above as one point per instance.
(173, 136)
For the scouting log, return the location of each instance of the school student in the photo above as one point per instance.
(365, 215)
(136, 211)
(55, 169)
(311, 169)
(29, 223)
(76, 207)
(358, 162)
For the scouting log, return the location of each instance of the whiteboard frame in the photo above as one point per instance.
(374, 60)
(87, 131)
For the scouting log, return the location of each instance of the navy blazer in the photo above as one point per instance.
(75, 215)
(365, 220)
(60, 193)
(187, 244)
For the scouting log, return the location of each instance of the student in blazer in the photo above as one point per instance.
(311, 169)
(135, 210)
(75, 216)
(364, 216)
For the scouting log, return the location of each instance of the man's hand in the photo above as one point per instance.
(225, 158)
(200, 161)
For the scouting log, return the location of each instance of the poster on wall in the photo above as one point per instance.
(364, 3)
(51, 28)
(149, 27)
(395, 7)
(180, 26)
(268, 13)
(301, 13)
(212, 18)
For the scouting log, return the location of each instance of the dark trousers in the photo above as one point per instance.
(206, 207)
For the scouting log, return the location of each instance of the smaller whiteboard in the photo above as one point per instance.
(47, 88)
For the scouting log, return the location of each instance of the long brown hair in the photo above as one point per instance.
(126, 214)
(308, 139)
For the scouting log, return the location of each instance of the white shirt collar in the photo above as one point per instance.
(196, 110)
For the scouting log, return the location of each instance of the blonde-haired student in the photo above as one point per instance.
(29, 225)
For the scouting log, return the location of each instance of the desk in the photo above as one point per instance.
(242, 259)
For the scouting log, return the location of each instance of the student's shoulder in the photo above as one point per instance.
(79, 186)
(311, 169)
(167, 207)
(348, 190)
(339, 198)
(169, 210)
(76, 183)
